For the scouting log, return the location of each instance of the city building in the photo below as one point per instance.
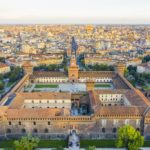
(4, 68)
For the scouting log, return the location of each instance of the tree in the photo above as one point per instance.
(146, 59)
(26, 143)
(129, 138)
(91, 148)
(131, 68)
(1, 85)
(2, 59)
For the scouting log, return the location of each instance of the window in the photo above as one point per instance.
(35, 131)
(49, 123)
(103, 130)
(46, 130)
(19, 122)
(34, 123)
(8, 130)
(114, 130)
(23, 130)
(9, 122)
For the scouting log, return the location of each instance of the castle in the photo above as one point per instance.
(95, 112)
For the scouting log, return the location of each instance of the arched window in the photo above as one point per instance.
(9, 122)
(103, 130)
(35, 131)
(23, 130)
(46, 130)
(114, 130)
(8, 130)
(19, 122)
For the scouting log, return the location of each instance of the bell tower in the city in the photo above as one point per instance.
(73, 69)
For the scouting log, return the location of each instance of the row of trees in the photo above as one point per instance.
(128, 138)
(2, 59)
(136, 78)
(15, 74)
(1, 85)
(48, 68)
(146, 59)
(101, 67)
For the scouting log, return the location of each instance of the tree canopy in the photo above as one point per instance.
(47, 68)
(146, 59)
(136, 78)
(101, 67)
(26, 143)
(129, 138)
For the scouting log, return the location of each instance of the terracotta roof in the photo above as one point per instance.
(36, 113)
(48, 74)
(19, 99)
(2, 65)
(136, 98)
(109, 91)
(105, 74)
(27, 64)
(121, 111)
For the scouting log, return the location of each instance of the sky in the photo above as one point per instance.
(75, 11)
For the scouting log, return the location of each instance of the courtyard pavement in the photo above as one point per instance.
(66, 87)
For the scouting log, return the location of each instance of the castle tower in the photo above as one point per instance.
(73, 69)
(90, 85)
(27, 67)
(121, 68)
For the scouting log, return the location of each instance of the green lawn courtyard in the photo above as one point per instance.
(46, 86)
(105, 85)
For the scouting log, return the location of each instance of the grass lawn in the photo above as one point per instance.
(97, 143)
(42, 143)
(103, 85)
(46, 85)
(146, 87)
(64, 143)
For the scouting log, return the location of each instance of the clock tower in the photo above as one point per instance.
(73, 69)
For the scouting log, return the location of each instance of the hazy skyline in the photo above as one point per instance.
(75, 11)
